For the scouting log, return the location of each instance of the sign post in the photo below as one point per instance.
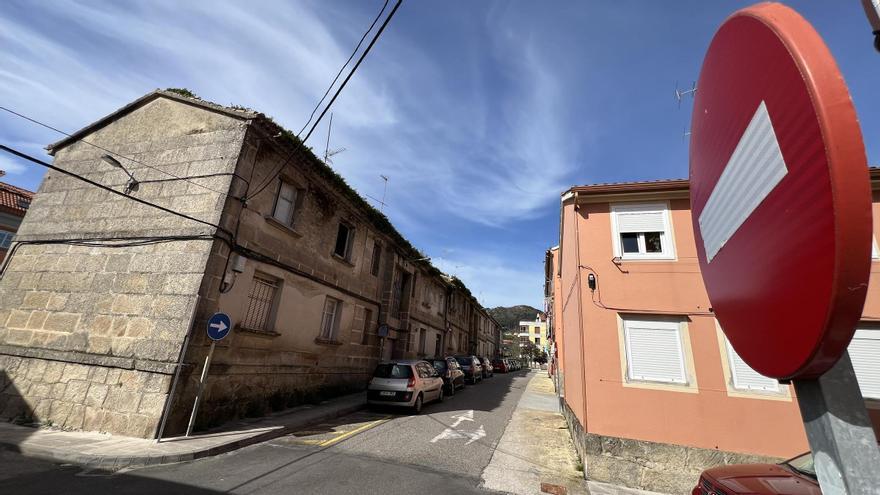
(781, 204)
(218, 327)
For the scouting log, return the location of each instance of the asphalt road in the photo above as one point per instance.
(444, 450)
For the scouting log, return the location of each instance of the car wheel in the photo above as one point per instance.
(440, 397)
(417, 407)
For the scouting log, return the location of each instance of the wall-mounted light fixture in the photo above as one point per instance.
(132, 184)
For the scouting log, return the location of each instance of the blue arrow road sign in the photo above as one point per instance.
(219, 325)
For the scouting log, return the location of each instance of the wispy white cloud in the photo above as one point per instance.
(494, 280)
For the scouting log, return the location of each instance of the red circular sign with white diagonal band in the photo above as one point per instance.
(780, 194)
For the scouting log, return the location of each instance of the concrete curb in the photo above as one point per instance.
(117, 462)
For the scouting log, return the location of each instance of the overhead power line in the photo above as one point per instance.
(353, 53)
(153, 167)
(109, 189)
(290, 155)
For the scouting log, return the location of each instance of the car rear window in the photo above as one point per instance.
(440, 365)
(393, 371)
(464, 361)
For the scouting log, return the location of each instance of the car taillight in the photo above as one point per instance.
(411, 382)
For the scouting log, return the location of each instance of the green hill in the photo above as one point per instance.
(510, 317)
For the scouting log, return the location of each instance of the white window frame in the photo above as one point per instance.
(291, 202)
(732, 358)
(667, 239)
(667, 326)
(330, 319)
(873, 334)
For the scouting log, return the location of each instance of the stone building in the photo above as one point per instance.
(14, 203)
(105, 295)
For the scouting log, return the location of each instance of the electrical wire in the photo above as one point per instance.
(111, 190)
(290, 155)
(175, 177)
(596, 296)
(110, 242)
(356, 48)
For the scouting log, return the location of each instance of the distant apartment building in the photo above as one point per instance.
(104, 295)
(652, 390)
(14, 203)
(534, 331)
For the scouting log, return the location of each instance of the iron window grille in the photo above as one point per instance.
(261, 303)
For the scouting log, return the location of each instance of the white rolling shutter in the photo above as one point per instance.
(654, 352)
(640, 221)
(744, 377)
(864, 351)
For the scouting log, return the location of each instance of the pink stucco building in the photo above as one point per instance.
(651, 388)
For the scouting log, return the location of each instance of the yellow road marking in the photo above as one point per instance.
(355, 431)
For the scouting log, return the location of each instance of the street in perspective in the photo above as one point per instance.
(428, 248)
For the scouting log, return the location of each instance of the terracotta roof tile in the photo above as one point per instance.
(15, 199)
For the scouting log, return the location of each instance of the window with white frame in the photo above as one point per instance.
(744, 377)
(641, 231)
(864, 352)
(330, 318)
(6, 239)
(654, 351)
(875, 253)
(262, 298)
(285, 204)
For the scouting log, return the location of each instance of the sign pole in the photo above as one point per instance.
(845, 452)
(195, 410)
(168, 402)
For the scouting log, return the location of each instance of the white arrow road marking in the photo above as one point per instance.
(451, 433)
(468, 416)
(476, 435)
(220, 326)
(447, 434)
(753, 171)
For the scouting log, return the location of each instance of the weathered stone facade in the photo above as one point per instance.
(644, 465)
(89, 334)
(112, 313)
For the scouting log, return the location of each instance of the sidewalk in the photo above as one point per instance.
(535, 455)
(104, 451)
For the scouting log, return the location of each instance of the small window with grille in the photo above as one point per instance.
(262, 299)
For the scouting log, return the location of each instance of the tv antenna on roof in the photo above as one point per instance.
(681, 93)
(381, 201)
(328, 153)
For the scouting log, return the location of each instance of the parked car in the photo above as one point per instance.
(514, 365)
(500, 365)
(793, 477)
(488, 370)
(470, 365)
(450, 372)
(405, 384)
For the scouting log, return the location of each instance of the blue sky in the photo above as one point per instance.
(481, 113)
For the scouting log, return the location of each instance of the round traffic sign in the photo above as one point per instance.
(780, 194)
(219, 325)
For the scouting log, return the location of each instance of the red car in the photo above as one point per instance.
(500, 365)
(792, 477)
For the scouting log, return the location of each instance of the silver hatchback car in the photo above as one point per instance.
(405, 384)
